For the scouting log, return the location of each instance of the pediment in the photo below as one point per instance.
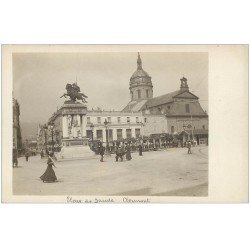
(187, 95)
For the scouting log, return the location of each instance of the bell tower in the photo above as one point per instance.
(184, 85)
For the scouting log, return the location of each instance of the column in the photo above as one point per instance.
(94, 133)
(133, 132)
(124, 133)
(64, 126)
(74, 128)
(84, 126)
(81, 130)
(78, 127)
(114, 134)
(104, 135)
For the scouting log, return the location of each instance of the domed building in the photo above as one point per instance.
(141, 88)
(180, 108)
(140, 83)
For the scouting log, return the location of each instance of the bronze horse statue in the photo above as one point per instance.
(73, 92)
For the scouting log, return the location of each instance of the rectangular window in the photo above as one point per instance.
(109, 119)
(110, 135)
(118, 119)
(137, 119)
(172, 129)
(187, 108)
(89, 134)
(137, 132)
(88, 120)
(147, 93)
(98, 119)
(128, 133)
(99, 134)
(128, 119)
(145, 120)
(119, 134)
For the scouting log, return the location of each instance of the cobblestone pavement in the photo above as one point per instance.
(170, 172)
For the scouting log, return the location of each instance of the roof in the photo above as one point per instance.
(159, 100)
(112, 113)
(134, 106)
(140, 73)
(177, 108)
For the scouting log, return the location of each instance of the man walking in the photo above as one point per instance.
(27, 155)
(119, 154)
(189, 147)
(140, 149)
(101, 152)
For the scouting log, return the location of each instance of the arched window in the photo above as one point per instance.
(139, 93)
(147, 95)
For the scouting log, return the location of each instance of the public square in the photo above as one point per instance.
(169, 172)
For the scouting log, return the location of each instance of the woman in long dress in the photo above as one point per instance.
(49, 175)
(128, 153)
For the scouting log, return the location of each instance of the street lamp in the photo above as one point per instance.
(45, 128)
(107, 142)
(52, 134)
(92, 130)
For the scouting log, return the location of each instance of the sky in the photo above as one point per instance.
(39, 79)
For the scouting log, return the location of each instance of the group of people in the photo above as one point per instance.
(120, 152)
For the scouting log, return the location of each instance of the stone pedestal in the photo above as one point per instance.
(75, 149)
(74, 142)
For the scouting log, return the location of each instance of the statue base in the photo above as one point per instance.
(75, 149)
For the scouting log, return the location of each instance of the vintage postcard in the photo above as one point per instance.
(124, 123)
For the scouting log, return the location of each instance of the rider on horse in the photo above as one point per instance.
(73, 91)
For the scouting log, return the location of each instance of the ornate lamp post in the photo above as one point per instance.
(107, 141)
(51, 125)
(45, 128)
(92, 130)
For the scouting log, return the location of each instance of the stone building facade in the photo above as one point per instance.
(17, 137)
(144, 115)
(119, 126)
(181, 108)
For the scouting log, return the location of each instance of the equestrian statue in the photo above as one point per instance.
(73, 92)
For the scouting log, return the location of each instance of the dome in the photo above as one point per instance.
(140, 73)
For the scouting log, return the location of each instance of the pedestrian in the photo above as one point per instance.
(42, 154)
(14, 158)
(49, 175)
(189, 147)
(27, 155)
(128, 152)
(101, 152)
(140, 149)
(119, 154)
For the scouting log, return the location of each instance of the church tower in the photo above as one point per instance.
(140, 86)
(184, 85)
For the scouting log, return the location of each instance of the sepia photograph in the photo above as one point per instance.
(110, 124)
